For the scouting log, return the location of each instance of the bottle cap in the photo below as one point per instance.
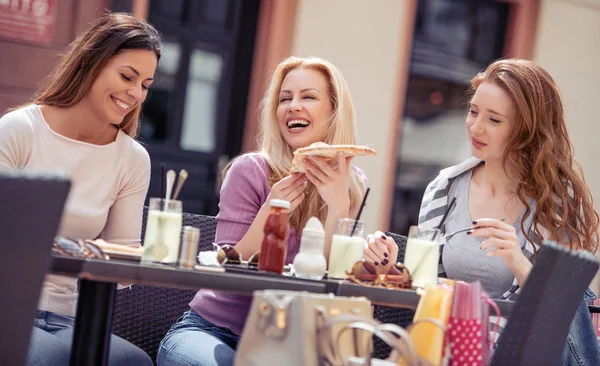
(279, 203)
(313, 237)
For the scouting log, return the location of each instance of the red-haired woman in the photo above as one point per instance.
(522, 170)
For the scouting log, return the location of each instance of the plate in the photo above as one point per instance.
(237, 268)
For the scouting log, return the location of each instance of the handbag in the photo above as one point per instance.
(303, 329)
(403, 352)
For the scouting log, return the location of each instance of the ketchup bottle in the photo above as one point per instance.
(274, 245)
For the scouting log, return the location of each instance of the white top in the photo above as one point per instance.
(108, 187)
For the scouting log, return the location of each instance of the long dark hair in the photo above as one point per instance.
(87, 55)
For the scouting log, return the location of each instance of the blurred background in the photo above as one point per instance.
(407, 63)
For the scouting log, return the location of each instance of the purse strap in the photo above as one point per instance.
(325, 327)
(494, 306)
(422, 362)
(394, 336)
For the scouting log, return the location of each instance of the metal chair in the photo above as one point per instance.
(144, 314)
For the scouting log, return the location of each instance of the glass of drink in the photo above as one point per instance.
(347, 248)
(163, 231)
(422, 255)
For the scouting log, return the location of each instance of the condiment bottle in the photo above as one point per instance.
(274, 245)
(310, 261)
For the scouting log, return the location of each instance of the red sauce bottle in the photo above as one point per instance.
(274, 245)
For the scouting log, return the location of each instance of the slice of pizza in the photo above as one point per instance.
(328, 153)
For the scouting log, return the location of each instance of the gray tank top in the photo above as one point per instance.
(462, 257)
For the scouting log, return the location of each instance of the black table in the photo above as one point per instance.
(97, 289)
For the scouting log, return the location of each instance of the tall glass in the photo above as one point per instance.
(422, 255)
(346, 249)
(163, 231)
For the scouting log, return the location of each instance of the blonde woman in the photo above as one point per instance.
(307, 101)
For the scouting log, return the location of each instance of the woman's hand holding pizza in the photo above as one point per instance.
(333, 184)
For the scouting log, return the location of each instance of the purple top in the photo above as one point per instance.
(245, 189)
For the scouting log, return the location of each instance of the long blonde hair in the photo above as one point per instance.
(341, 130)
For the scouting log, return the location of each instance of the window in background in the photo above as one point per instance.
(156, 108)
(201, 97)
(194, 115)
(453, 41)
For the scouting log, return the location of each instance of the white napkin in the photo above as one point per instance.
(208, 258)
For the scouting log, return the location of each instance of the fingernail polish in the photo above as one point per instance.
(376, 263)
(383, 237)
(385, 262)
(469, 232)
(475, 222)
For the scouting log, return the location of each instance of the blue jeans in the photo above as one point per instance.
(582, 346)
(51, 344)
(195, 341)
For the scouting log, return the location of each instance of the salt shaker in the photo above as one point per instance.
(189, 247)
(310, 261)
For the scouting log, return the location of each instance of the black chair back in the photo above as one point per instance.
(537, 328)
(144, 314)
(389, 314)
(31, 207)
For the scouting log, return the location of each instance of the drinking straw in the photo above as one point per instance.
(443, 221)
(360, 211)
(161, 182)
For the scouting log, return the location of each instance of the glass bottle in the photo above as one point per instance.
(273, 249)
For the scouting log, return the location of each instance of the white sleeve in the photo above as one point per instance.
(124, 223)
(16, 139)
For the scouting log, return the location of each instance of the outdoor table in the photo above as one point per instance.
(99, 278)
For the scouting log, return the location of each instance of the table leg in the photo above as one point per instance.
(93, 324)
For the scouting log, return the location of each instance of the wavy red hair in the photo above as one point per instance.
(540, 152)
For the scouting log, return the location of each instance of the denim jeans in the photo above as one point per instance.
(582, 346)
(51, 344)
(194, 340)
